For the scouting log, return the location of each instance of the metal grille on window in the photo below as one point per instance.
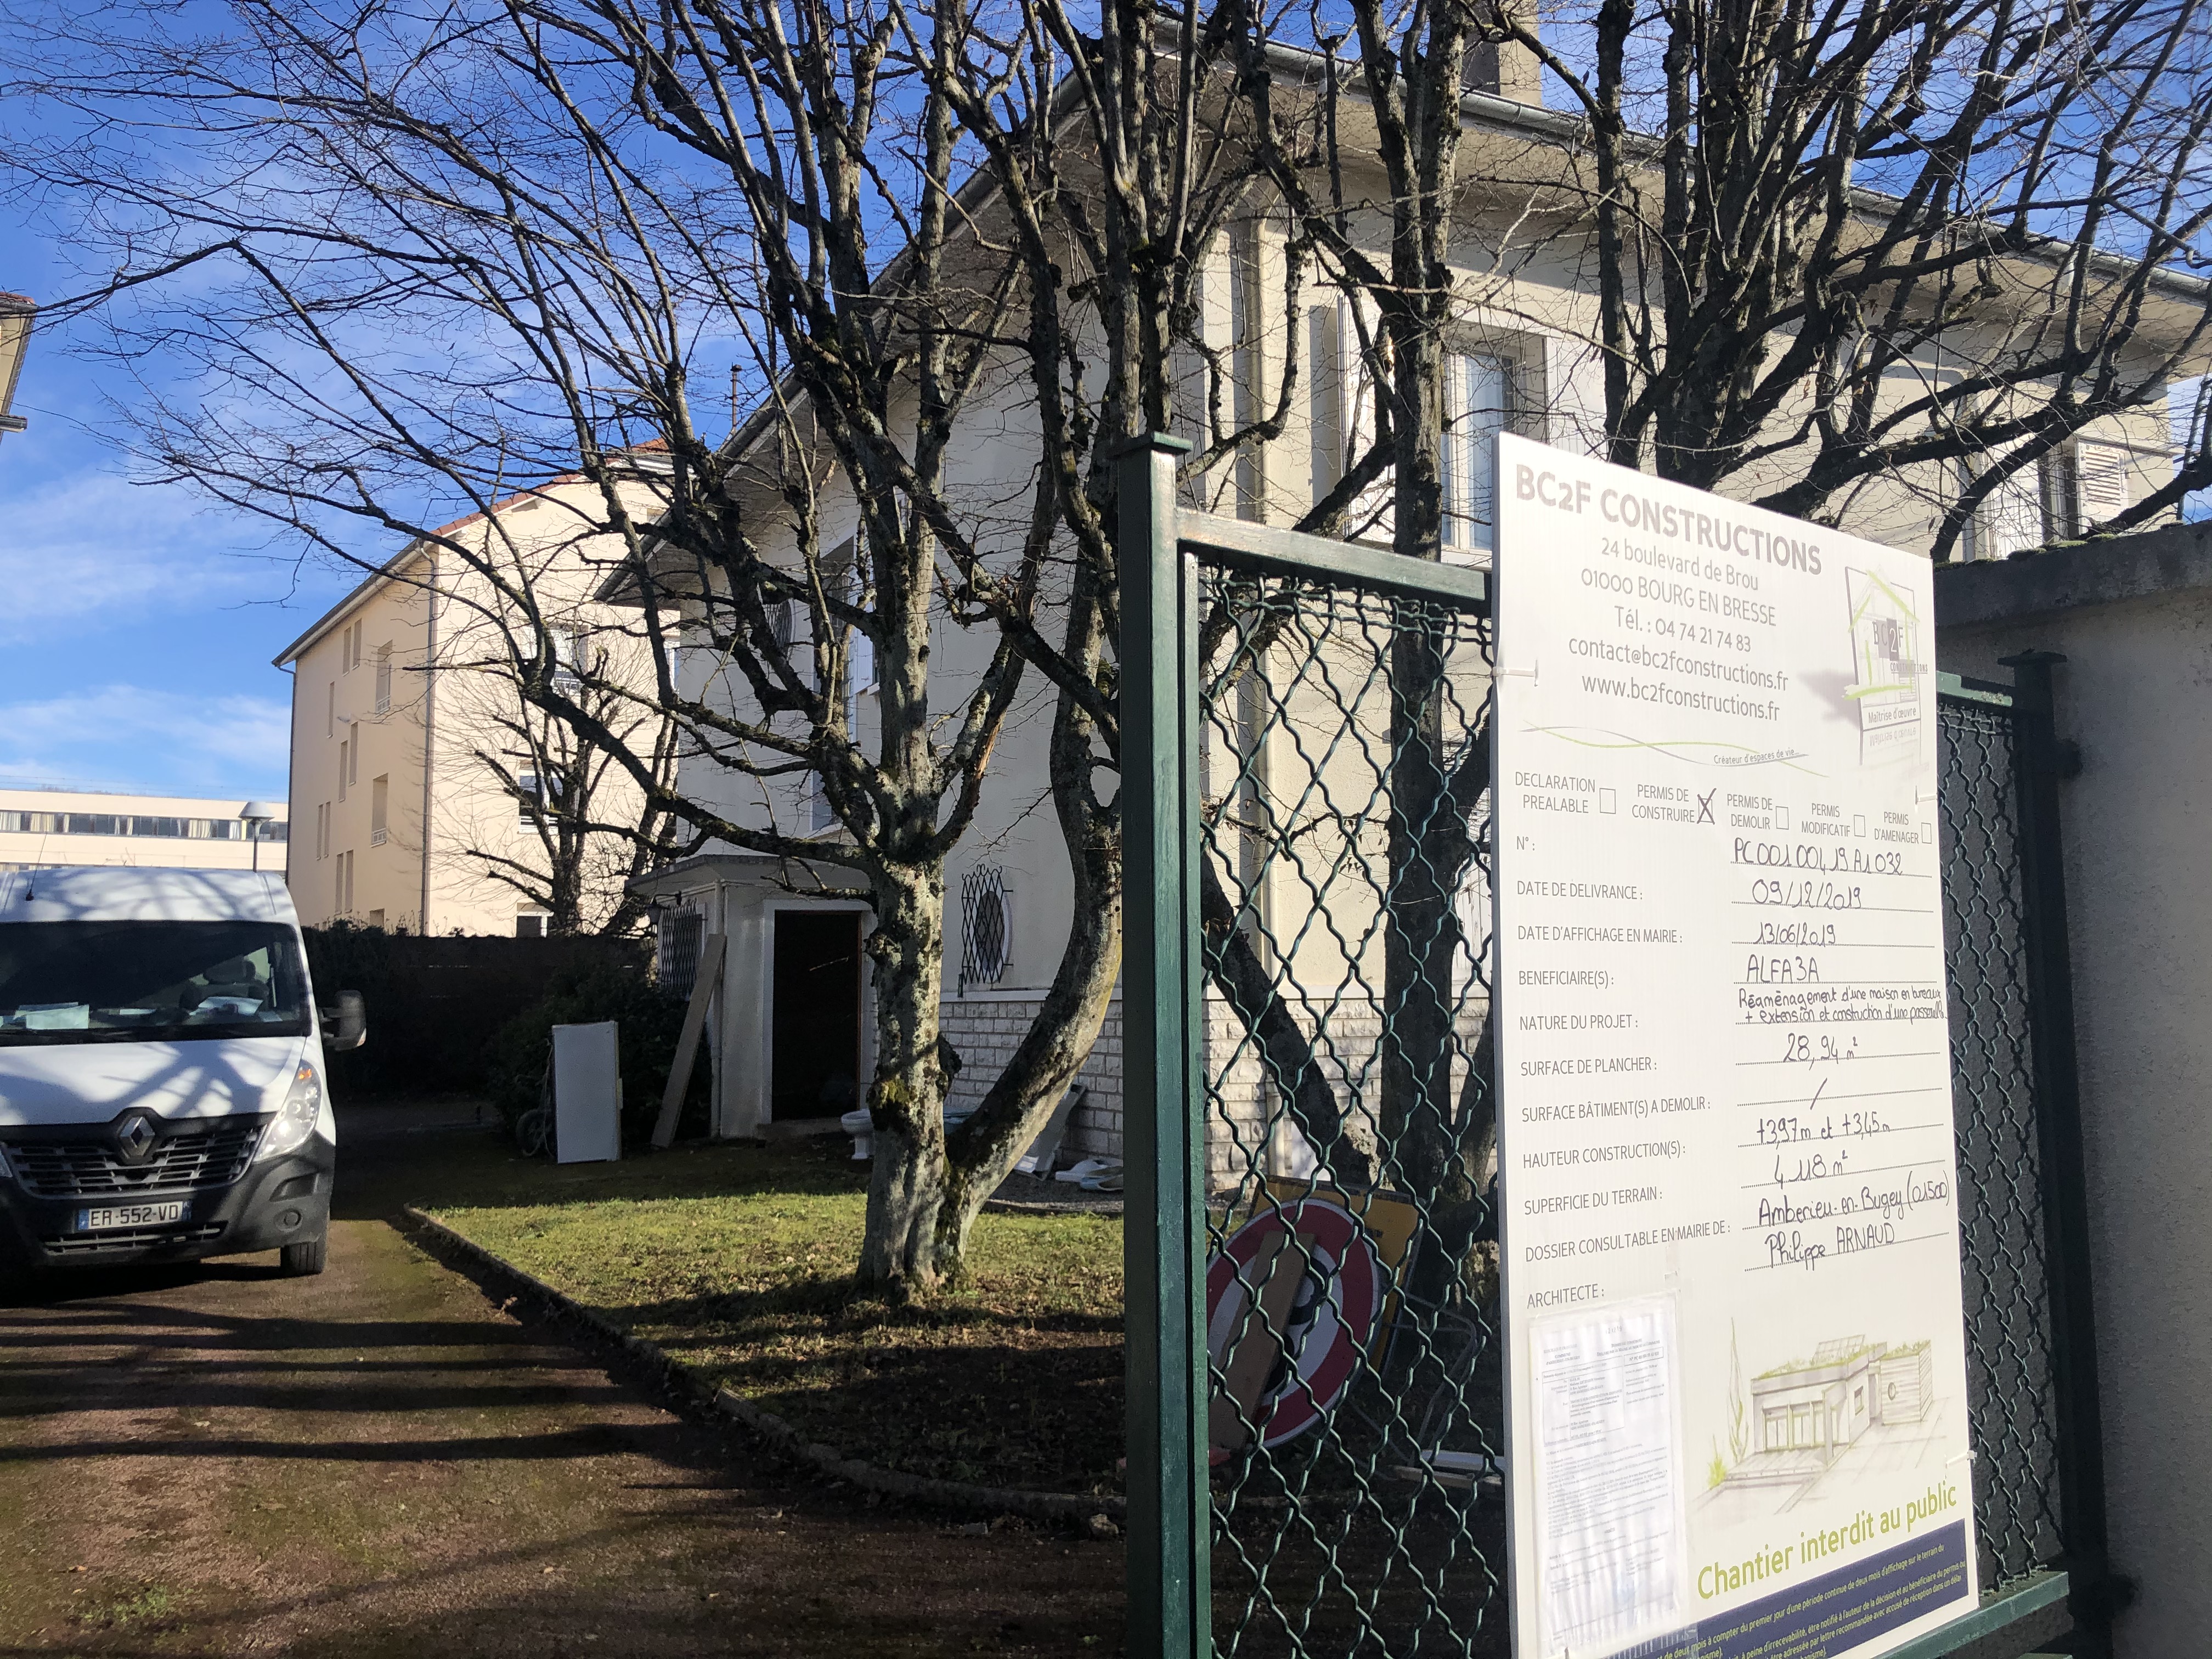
(676, 954)
(985, 933)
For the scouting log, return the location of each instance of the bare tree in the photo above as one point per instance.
(1840, 248)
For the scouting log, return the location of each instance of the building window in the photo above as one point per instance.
(379, 804)
(346, 760)
(859, 645)
(821, 816)
(1478, 406)
(376, 919)
(323, 830)
(2081, 485)
(1324, 399)
(1248, 365)
(384, 679)
(791, 625)
(165, 829)
(344, 876)
(986, 926)
(330, 710)
(350, 648)
(531, 924)
(571, 660)
(530, 799)
(2071, 491)
(94, 824)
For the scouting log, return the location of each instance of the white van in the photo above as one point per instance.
(163, 1089)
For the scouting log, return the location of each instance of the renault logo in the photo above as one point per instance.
(135, 1135)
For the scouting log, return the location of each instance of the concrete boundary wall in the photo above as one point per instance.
(2133, 617)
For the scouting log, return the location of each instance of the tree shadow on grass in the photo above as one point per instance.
(952, 1389)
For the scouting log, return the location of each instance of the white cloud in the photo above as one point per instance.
(88, 550)
(128, 737)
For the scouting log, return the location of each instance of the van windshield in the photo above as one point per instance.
(148, 982)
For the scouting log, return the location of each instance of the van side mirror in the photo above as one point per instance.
(346, 1026)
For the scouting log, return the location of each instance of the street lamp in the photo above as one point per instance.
(256, 813)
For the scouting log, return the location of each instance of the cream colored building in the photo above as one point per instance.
(1523, 359)
(42, 829)
(409, 761)
(17, 312)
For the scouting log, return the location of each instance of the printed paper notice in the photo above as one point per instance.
(1612, 1500)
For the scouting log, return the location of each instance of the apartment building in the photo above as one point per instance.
(412, 778)
(42, 829)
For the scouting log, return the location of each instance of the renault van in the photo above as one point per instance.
(162, 1090)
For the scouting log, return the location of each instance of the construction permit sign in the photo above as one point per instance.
(1736, 1367)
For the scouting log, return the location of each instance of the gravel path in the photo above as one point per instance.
(379, 1461)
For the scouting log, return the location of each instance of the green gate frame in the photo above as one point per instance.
(1169, 1518)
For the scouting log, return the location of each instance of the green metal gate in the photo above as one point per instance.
(1305, 812)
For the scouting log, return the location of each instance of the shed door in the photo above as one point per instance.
(817, 1014)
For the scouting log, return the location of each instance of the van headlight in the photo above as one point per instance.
(303, 1106)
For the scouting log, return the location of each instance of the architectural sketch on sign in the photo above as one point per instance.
(1865, 1402)
(1887, 663)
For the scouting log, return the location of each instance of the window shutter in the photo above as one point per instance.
(1372, 518)
(2101, 484)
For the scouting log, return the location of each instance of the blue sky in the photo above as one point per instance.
(138, 623)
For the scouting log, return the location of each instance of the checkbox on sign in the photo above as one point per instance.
(1780, 816)
(1606, 798)
(1858, 826)
(1928, 833)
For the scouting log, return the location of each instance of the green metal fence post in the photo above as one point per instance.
(1170, 1527)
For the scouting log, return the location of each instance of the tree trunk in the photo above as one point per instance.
(1023, 1097)
(906, 1097)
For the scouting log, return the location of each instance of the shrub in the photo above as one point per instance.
(651, 1023)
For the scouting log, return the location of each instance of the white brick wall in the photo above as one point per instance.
(987, 1033)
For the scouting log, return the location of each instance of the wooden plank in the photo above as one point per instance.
(711, 952)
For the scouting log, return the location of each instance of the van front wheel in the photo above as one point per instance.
(305, 1260)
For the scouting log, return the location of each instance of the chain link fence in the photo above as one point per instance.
(2010, 1388)
(1355, 1412)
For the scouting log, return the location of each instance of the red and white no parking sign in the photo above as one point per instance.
(1312, 1271)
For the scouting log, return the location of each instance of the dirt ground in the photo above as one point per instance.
(214, 1460)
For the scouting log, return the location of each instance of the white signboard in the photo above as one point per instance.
(1731, 1229)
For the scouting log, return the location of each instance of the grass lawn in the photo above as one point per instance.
(737, 1261)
